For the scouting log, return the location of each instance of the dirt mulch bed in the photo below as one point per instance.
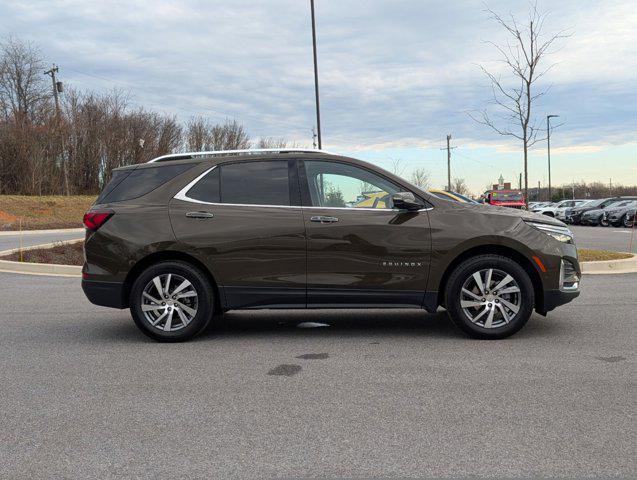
(587, 255)
(63, 254)
(41, 213)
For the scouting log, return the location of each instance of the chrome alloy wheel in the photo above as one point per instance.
(490, 298)
(169, 302)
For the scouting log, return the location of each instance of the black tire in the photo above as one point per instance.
(205, 300)
(484, 262)
(625, 222)
(603, 222)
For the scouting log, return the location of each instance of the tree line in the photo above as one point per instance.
(72, 149)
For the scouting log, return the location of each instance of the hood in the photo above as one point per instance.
(514, 212)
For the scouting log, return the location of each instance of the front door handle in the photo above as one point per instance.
(322, 219)
(200, 215)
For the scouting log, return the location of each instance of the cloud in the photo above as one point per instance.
(392, 74)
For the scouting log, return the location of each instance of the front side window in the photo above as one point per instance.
(346, 186)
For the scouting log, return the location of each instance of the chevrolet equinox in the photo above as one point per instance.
(187, 236)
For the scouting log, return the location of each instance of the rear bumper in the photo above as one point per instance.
(555, 298)
(105, 294)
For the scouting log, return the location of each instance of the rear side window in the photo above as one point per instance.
(140, 182)
(116, 179)
(255, 183)
(207, 189)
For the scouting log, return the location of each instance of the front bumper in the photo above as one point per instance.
(555, 298)
(105, 294)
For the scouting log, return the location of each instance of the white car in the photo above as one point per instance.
(558, 209)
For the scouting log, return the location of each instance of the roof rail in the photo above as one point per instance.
(257, 151)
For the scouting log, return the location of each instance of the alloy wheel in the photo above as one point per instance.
(169, 302)
(490, 298)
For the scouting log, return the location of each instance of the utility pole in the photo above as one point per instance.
(520, 182)
(610, 188)
(316, 84)
(449, 148)
(538, 192)
(548, 146)
(57, 87)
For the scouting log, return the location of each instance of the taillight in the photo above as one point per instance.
(95, 219)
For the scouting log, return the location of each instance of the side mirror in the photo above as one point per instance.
(406, 201)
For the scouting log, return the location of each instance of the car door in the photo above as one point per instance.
(360, 250)
(244, 221)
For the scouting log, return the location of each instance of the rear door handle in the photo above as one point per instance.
(200, 215)
(322, 219)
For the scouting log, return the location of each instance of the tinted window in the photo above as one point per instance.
(255, 183)
(142, 181)
(118, 176)
(340, 185)
(207, 189)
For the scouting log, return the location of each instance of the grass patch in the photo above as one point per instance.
(62, 254)
(55, 211)
(587, 255)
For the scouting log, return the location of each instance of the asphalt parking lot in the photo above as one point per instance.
(374, 394)
(605, 238)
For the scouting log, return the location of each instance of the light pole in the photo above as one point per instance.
(548, 146)
(316, 85)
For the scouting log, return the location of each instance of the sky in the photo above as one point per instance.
(395, 76)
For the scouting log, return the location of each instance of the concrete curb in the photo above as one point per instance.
(4, 233)
(8, 266)
(608, 267)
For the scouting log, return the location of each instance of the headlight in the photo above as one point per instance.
(561, 234)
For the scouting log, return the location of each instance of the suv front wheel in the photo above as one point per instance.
(489, 296)
(171, 301)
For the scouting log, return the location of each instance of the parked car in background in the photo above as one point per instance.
(596, 217)
(505, 198)
(577, 212)
(553, 209)
(567, 214)
(187, 236)
(450, 195)
(629, 221)
(616, 215)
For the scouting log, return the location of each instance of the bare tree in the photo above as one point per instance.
(269, 142)
(515, 96)
(229, 136)
(397, 167)
(459, 185)
(421, 178)
(23, 91)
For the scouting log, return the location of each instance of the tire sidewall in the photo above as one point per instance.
(483, 262)
(204, 300)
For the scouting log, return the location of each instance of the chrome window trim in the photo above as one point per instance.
(183, 196)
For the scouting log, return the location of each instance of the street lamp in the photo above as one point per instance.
(548, 146)
(316, 85)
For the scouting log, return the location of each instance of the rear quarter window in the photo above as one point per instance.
(139, 182)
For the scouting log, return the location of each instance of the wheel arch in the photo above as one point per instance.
(504, 251)
(167, 255)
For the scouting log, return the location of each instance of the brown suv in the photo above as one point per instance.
(189, 235)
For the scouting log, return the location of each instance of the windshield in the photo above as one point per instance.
(466, 199)
(506, 196)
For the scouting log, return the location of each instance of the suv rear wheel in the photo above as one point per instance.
(171, 301)
(489, 296)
